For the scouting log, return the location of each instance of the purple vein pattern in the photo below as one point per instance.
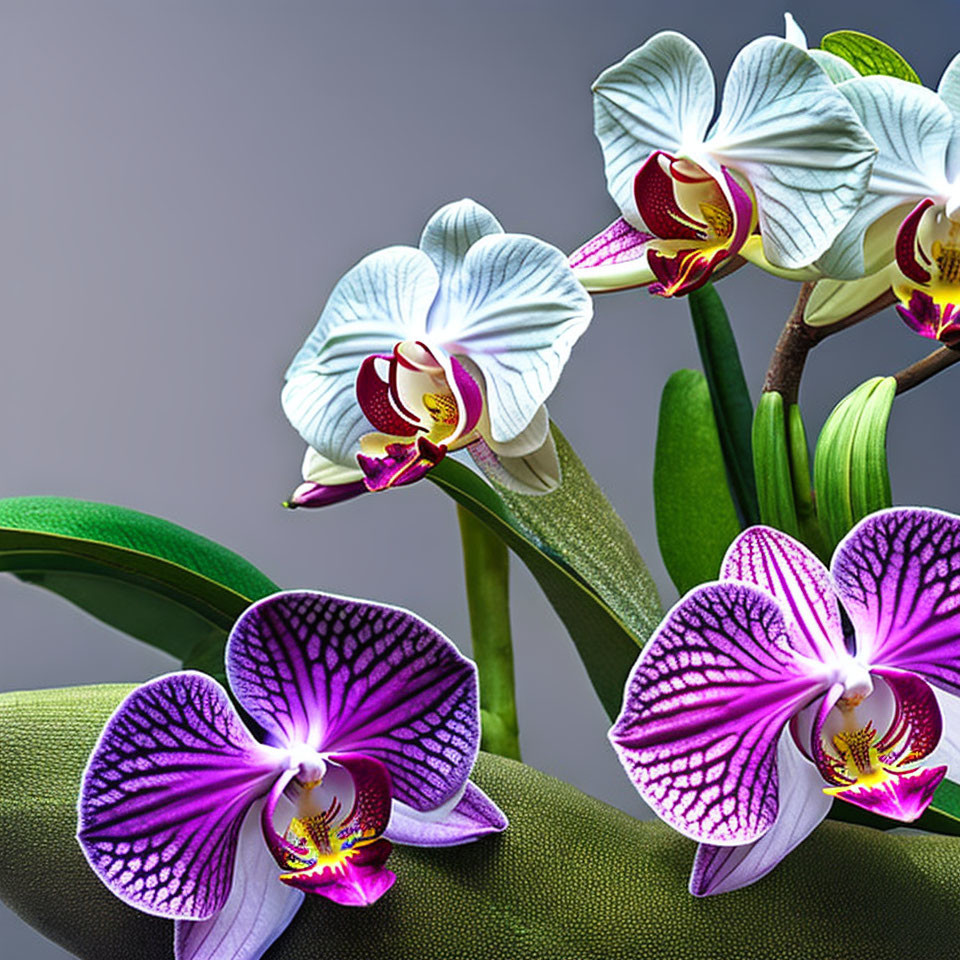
(702, 724)
(704, 707)
(166, 792)
(365, 706)
(351, 677)
(898, 575)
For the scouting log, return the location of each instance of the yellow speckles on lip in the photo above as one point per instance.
(947, 258)
(718, 218)
(442, 407)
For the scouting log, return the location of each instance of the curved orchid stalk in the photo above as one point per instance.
(778, 174)
(752, 706)
(906, 234)
(455, 345)
(372, 728)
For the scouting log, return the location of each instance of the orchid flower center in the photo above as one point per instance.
(868, 744)
(340, 806)
(695, 220)
(928, 257)
(422, 408)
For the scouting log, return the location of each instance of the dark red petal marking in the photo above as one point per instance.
(373, 395)
(653, 191)
(350, 676)
(704, 708)
(906, 247)
(403, 463)
(471, 397)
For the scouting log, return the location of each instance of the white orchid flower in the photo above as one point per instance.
(421, 351)
(778, 174)
(906, 234)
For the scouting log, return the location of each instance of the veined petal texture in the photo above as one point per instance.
(797, 580)
(515, 308)
(798, 142)
(949, 87)
(348, 676)
(475, 815)
(165, 793)
(898, 576)
(452, 231)
(912, 129)
(384, 299)
(802, 807)
(704, 709)
(949, 91)
(257, 911)
(660, 97)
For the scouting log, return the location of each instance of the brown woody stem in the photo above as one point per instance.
(924, 369)
(797, 339)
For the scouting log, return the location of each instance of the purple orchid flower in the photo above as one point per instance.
(371, 725)
(704, 735)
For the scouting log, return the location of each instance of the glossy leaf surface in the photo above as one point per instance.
(732, 406)
(696, 518)
(158, 582)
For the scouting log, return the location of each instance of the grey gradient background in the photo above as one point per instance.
(181, 185)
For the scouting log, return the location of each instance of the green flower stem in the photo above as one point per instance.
(486, 566)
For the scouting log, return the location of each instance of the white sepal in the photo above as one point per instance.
(318, 469)
(833, 300)
(659, 97)
(384, 299)
(792, 32)
(257, 911)
(798, 142)
(912, 128)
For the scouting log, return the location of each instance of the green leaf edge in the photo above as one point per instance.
(474, 494)
(839, 44)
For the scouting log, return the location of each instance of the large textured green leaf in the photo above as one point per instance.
(732, 406)
(582, 556)
(148, 577)
(571, 879)
(867, 55)
(696, 518)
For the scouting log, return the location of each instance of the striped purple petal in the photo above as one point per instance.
(704, 709)
(473, 816)
(898, 576)
(798, 581)
(347, 676)
(802, 806)
(257, 911)
(165, 793)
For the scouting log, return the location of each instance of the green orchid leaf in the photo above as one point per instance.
(850, 472)
(149, 578)
(582, 556)
(867, 55)
(570, 879)
(696, 517)
(732, 406)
